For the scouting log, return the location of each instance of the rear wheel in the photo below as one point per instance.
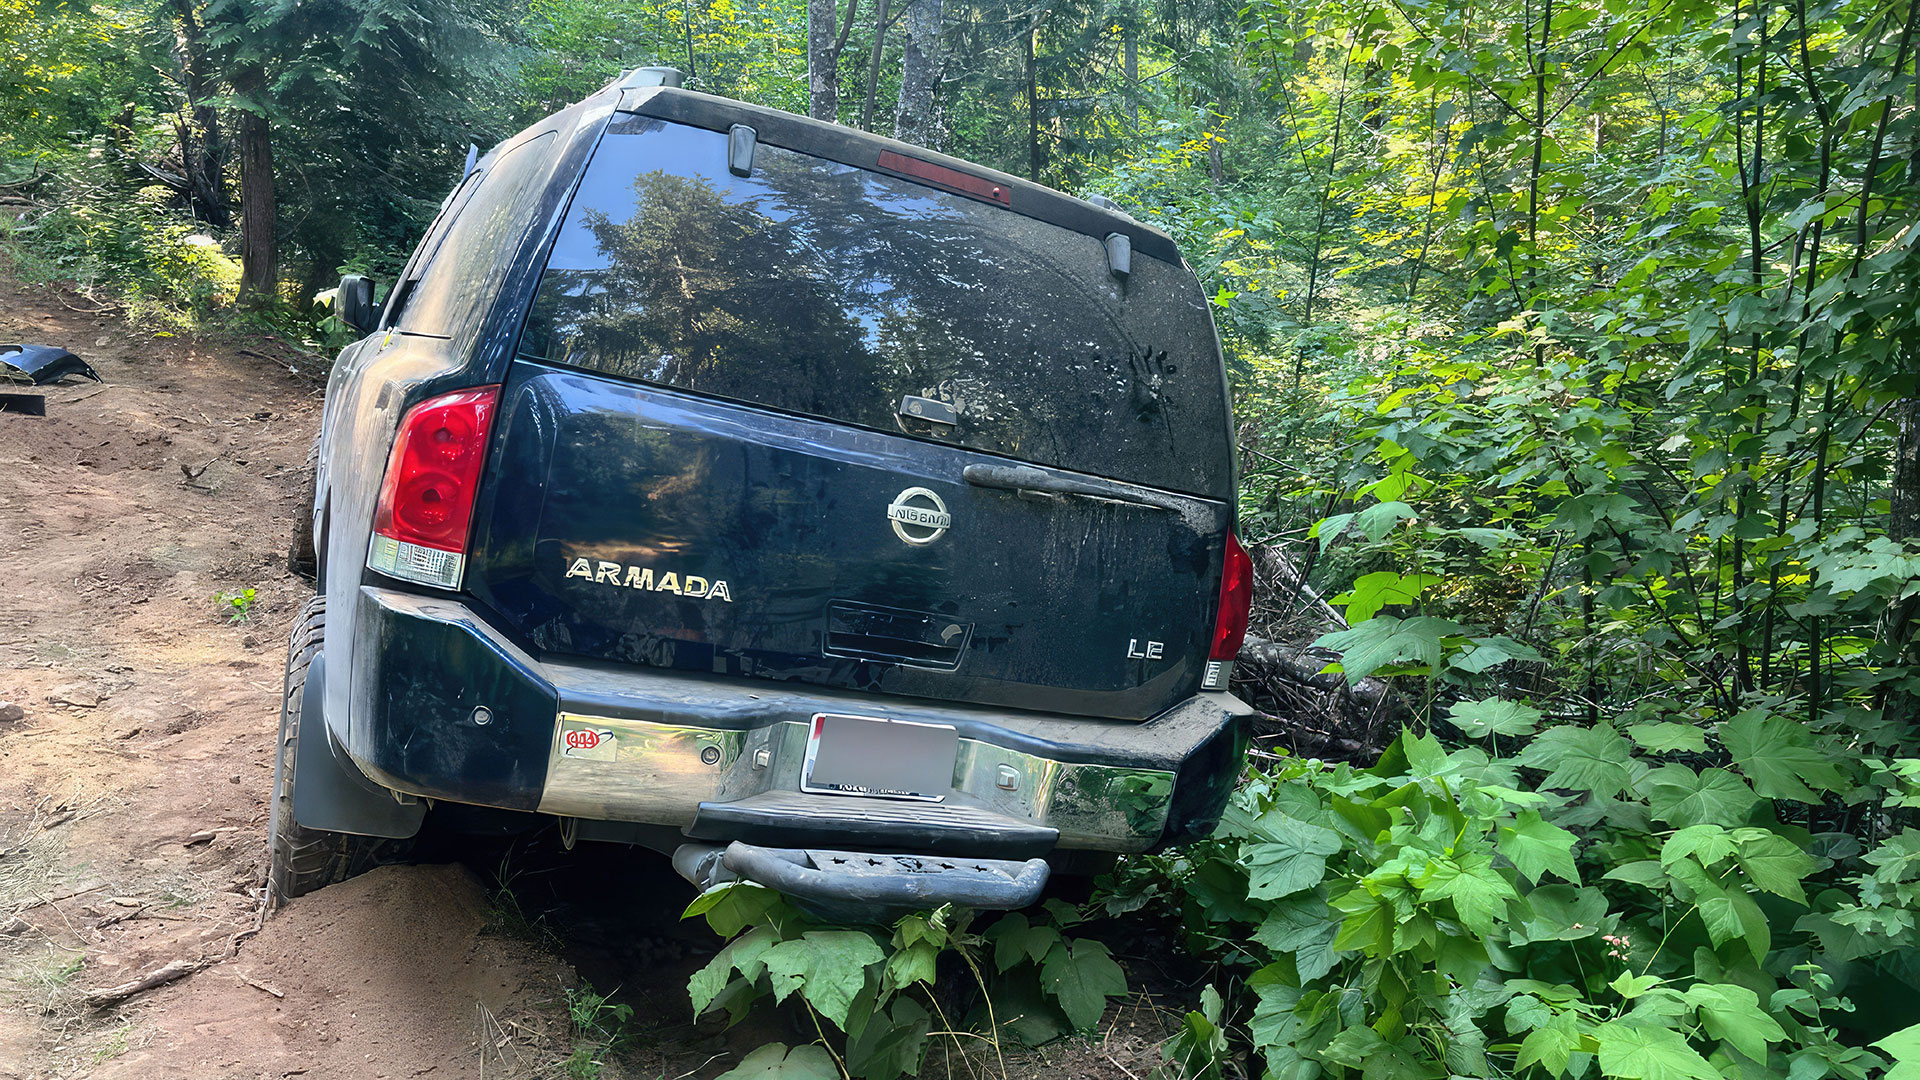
(300, 859)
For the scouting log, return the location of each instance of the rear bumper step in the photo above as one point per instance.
(866, 879)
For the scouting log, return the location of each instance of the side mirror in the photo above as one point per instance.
(354, 303)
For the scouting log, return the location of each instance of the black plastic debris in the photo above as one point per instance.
(42, 364)
(24, 404)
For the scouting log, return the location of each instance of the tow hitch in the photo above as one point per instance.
(866, 879)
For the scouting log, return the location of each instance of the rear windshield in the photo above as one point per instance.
(818, 288)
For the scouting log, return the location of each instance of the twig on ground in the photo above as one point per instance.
(258, 985)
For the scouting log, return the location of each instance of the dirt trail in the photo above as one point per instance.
(133, 792)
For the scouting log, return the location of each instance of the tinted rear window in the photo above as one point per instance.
(819, 288)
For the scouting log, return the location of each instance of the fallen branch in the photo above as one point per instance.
(173, 971)
(169, 972)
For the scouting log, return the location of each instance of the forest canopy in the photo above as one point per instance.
(1575, 347)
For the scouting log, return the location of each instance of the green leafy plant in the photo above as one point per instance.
(598, 1027)
(236, 606)
(872, 994)
(1583, 905)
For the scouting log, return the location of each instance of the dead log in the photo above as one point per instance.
(160, 976)
(1304, 707)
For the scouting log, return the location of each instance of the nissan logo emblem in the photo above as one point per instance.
(918, 516)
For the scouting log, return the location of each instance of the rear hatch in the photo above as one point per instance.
(825, 424)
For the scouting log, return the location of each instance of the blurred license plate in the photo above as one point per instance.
(868, 755)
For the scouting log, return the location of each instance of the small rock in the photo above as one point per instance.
(199, 837)
(79, 699)
(11, 713)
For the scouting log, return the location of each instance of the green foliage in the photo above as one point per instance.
(599, 1028)
(876, 989)
(237, 606)
(1449, 912)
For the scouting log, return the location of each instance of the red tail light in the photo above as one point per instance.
(1230, 625)
(426, 499)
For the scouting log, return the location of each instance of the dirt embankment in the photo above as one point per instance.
(133, 789)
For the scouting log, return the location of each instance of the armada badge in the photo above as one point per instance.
(692, 586)
(918, 516)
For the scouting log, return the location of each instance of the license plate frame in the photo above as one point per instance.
(878, 757)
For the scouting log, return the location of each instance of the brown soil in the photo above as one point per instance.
(133, 792)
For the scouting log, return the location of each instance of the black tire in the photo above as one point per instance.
(302, 557)
(299, 859)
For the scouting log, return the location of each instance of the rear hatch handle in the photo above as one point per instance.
(1025, 480)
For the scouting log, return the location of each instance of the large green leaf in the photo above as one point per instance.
(1681, 797)
(1633, 1052)
(890, 1044)
(775, 1062)
(1478, 892)
(1485, 653)
(828, 967)
(1666, 737)
(1777, 754)
(1016, 939)
(1581, 758)
(1081, 979)
(734, 906)
(1292, 859)
(1373, 523)
(1538, 847)
(1732, 1014)
(1551, 1044)
(1304, 927)
(1705, 844)
(1561, 913)
(1383, 588)
(1385, 640)
(1904, 1047)
(1494, 716)
(1774, 863)
(746, 954)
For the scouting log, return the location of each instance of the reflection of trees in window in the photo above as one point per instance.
(697, 292)
(829, 290)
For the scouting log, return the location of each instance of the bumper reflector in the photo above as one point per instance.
(416, 562)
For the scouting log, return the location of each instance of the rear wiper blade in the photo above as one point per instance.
(1025, 479)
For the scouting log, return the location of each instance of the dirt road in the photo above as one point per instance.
(133, 790)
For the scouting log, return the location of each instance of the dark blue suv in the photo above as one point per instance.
(821, 510)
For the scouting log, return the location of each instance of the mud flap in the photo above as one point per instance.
(329, 791)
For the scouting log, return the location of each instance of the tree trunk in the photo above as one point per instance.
(201, 153)
(823, 62)
(914, 120)
(1905, 523)
(873, 64)
(1033, 104)
(259, 251)
(1131, 65)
